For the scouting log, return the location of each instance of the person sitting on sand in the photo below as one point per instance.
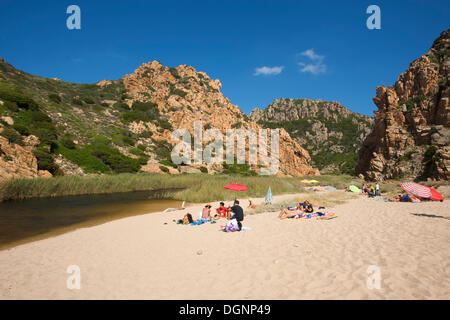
(238, 213)
(371, 191)
(364, 188)
(221, 211)
(206, 212)
(307, 207)
(251, 205)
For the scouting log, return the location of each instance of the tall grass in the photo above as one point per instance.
(193, 187)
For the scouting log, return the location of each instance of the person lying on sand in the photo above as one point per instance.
(291, 212)
(187, 219)
(404, 198)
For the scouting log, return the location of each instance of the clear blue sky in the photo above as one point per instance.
(229, 40)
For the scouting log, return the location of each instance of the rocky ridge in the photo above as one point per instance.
(411, 135)
(121, 125)
(331, 133)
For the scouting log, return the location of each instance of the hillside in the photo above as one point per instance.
(411, 135)
(331, 133)
(116, 126)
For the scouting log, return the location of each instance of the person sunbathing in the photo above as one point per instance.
(291, 212)
(401, 198)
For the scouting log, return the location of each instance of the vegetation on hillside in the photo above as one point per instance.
(339, 151)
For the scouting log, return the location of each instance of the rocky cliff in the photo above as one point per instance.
(120, 125)
(330, 132)
(411, 135)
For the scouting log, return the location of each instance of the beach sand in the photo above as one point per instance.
(141, 257)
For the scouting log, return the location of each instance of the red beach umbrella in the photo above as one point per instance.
(236, 187)
(416, 189)
(435, 195)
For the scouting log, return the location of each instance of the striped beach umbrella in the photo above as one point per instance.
(416, 189)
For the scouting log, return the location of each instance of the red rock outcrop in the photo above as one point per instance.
(19, 161)
(186, 96)
(411, 135)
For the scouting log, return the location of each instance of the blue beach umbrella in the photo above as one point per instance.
(268, 198)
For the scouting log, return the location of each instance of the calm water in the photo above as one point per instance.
(23, 221)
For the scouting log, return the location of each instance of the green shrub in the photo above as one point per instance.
(12, 106)
(174, 72)
(204, 169)
(136, 152)
(67, 142)
(88, 100)
(169, 163)
(83, 158)
(121, 106)
(164, 124)
(113, 158)
(45, 160)
(123, 139)
(142, 147)
(23, 130)
(143, 160)
(11, 94)
(76, 101)
(164, 169)
(54, 98)
(12, 136)
(236, 125)
(146, 134)
(238, 169)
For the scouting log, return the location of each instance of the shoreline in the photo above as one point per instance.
(150, 257)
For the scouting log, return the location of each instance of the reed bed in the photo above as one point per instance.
(193, 187)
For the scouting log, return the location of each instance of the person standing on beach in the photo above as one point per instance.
(377, 189)
(238, 213)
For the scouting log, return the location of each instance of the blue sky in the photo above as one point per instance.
(260, 50)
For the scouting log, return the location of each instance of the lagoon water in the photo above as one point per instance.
(28, 220)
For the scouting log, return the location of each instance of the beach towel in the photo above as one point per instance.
(201, 221)
(317, 215)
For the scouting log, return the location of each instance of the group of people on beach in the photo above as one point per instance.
(370, 190)
(233, 213)
(301, 209)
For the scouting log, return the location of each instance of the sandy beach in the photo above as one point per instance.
(141, 257)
